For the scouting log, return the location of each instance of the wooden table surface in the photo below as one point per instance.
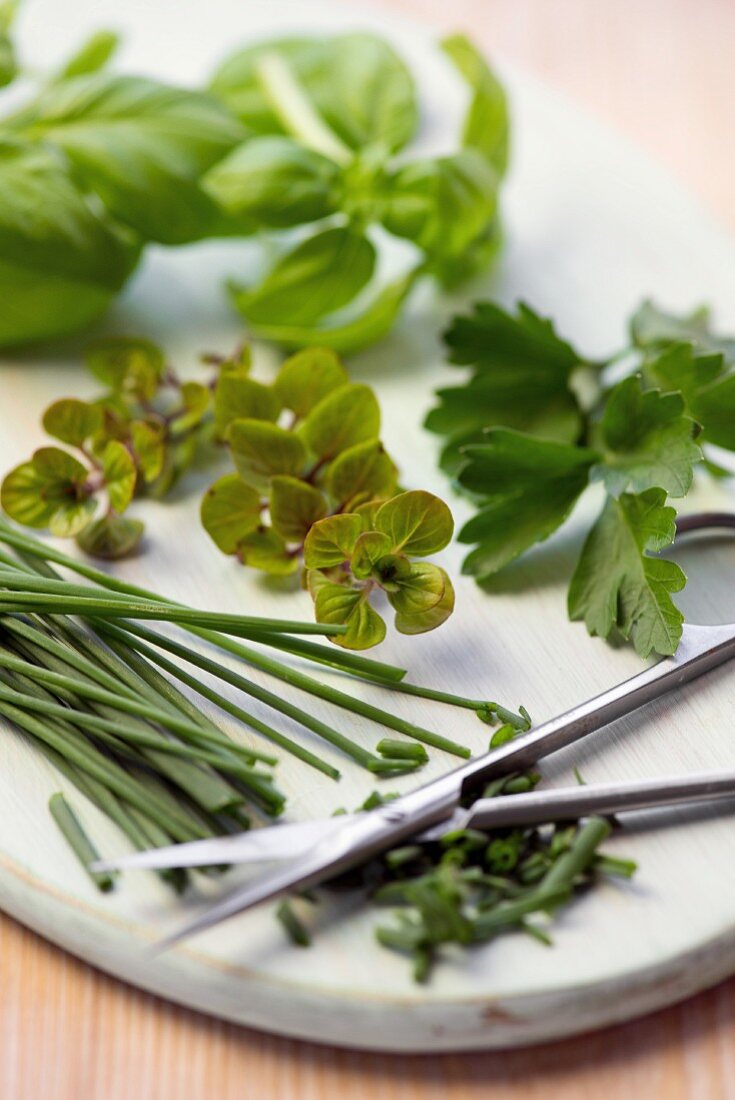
(660, 71)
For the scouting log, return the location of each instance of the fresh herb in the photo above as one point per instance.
(536, 422)
(77, 839)
(29, 585)
(293, 135)
(136, 439)
(472, 886)
(330, 117)
(315, 484)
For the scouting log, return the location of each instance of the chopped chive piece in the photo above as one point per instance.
(402, 750)
(295, 927)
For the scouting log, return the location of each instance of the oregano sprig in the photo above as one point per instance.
(314, 485)
(136, 439)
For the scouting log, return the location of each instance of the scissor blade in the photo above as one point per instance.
(359, 838)
(256, 846)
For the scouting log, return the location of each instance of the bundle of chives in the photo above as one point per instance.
(85, 680)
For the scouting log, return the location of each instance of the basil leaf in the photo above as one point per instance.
(141, 146)
(487, 124)
(72, 421)
(273, 183)
(60, 262)
(444, 204)
(356, 82)
(317, 277)
(331, 541)
(421, 621)
(91, 56)
(346, 336)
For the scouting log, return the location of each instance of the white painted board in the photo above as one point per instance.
(592, 227)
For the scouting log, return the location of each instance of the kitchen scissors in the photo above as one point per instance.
(313, 852)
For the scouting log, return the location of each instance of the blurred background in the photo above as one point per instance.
(660, 71)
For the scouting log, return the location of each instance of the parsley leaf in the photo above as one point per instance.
(520, 380)
(528, 487)
(707, 386)
(646, 440)
(617, 585)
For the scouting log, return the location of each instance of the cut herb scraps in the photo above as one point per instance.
(536, 422)
(473, 886)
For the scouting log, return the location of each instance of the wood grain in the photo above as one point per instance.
(660, 71)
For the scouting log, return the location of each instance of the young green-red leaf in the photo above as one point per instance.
(617, 585)
(147, 441)
(361, 473)
(237, 397)
(127, 365)
(50, 491)
(337, 603)
(261, 449)
(318, 277)
(421, 621)
(196, 401)
(345, 417)
(295, 507)
(111, 537)
(72, 421)
(370, 547)
(421, 590)
(331, 541)
(417, 523)
(646, 440)
(264, 549)
(230, 510)
(120, 474)
(23, 496)
(308, 376)
(526, 488)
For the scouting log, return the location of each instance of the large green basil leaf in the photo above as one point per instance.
(442, 204)
(141, 146)
(319, 276)
(60, 263)
(272, 182)
(486, 125)
(356, 82)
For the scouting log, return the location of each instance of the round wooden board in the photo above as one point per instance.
(591, 227)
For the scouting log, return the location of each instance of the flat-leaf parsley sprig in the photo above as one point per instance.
(536, 422)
